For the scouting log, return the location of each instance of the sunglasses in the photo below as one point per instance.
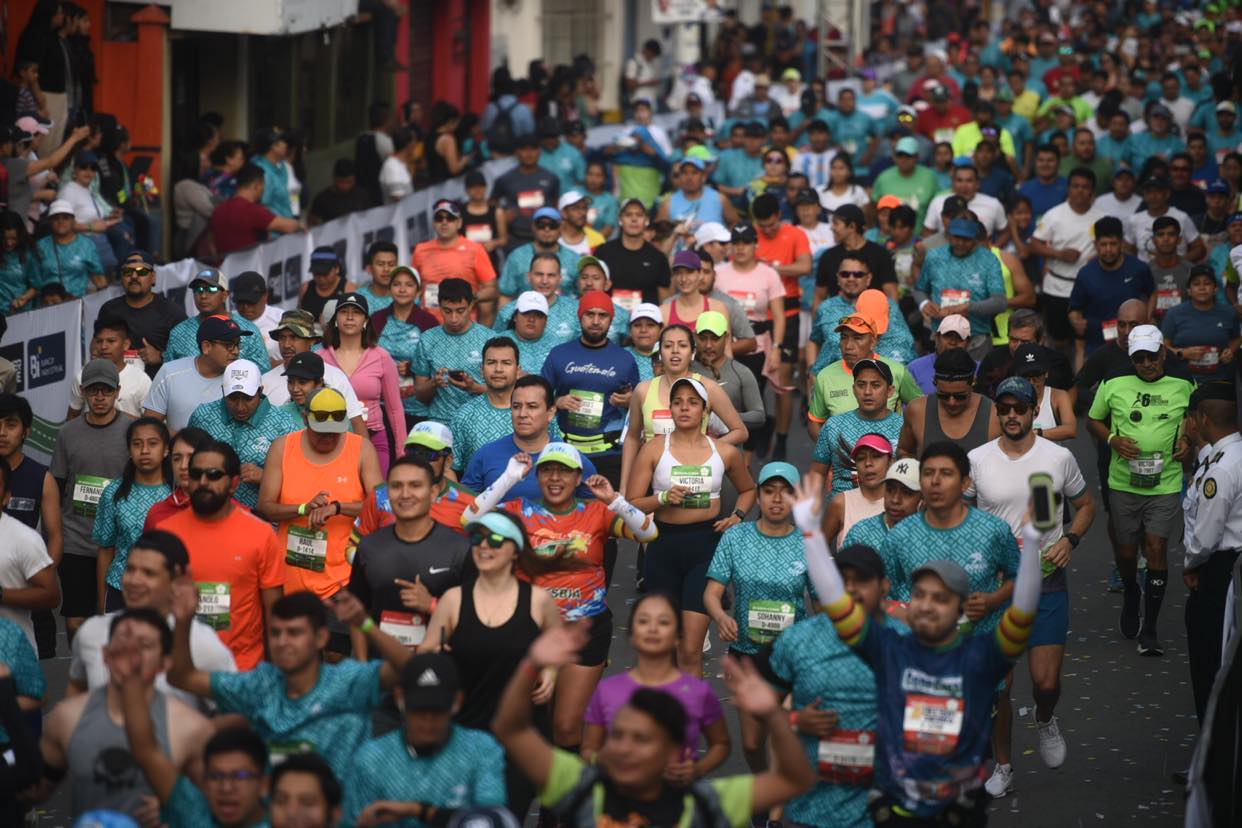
(773, 159)
(424, 453)
(206, 288)
(1004, 409)
(324, 416)
(212, 475)
(137, 270)
(852, 274)
(478, 537)
(547, 225)
(444, 218)
(1144, 356)
(958, 396)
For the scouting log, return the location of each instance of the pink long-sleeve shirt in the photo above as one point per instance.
(378, 388)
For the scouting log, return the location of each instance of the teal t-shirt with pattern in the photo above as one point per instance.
(769, 581)
(837, 439)
(400, 340)
(513, 276)
(16, 652)
(17, 275)
(817, 665)
(468, 771)
(562, 324)
(896, 343)
(646, 370)
(604, 210)
(982, 544)
(953, 280)
(333, 719)
(531, 354)
(457, 352)
(183, 341)
(118, 523)
(374, 303)
(250, 439)
(868, 532)
(478, 423)
(69, 264)
(188, 806)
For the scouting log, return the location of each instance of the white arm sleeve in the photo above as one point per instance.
(821, 568)
(1027, 585)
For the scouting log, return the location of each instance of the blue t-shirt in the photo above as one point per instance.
(566, 163)
(69, 264)
(768, 575)
(489, 462)
(1106, 146)
(469, 770)
(17, 275)
(604, 210)
(852, 132)
(1044, 196)
(400, 340)
(1098, 293)
(1186, 326)
(183, 341)
(563, 324)
(923, 370)
(592, 375)
(736, 168)
(934, 722)
(837, 439)
(375, 304)
(250, 439)
(896, 343)
(1144, 145)
(333, 719)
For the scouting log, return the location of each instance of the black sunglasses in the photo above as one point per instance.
(324, 416)
(1144, 356)
(1004, 409)
(544, 224)
(953, 395)
(424, 453)
(852, 274)
(211, 474)
(478, 537)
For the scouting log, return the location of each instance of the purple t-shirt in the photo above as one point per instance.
(696, 696)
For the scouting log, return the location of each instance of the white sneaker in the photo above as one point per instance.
(1000, 782)
(1051, 742)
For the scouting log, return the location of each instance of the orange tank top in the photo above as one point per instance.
(316, 558)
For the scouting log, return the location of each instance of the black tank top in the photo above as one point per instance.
(26, 487)
(314, 303)
(975, 437)
(473, 222)
(487, 657)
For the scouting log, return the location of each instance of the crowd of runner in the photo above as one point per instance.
(349, 564)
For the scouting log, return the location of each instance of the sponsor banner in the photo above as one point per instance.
(45, 346)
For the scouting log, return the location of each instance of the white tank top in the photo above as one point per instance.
(702, 480)
(858, 507)
(1045, 418)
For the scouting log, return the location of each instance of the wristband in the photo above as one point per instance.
(435, 602)
(367, 625)
(302, 509)
(793, 719)
(924, 303)
(337, 504)
(662, 498)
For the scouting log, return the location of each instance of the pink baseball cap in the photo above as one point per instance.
(955, 323)
(32, 125)
(878, 442)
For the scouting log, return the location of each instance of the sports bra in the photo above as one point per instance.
(1046, 417)
(703, 480)
(674, 319)
(652, 404)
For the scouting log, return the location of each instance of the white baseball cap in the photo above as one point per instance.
(955, 323)
(59, 207)
(242, 377)
(532, 300)
(570, 198)
(711, 231)
(646, 310)
(906, 472)
(1145, 338)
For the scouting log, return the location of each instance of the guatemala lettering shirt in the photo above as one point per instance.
(591, 375)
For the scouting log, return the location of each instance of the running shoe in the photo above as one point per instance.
(1000, 782)
(1129, 623)
(1114, 581)
(1051, 742)
(1149, 645)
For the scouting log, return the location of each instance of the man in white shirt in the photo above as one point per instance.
(642, 72)
(1156, 193)
(965, 183)
(1122, 201)
(27, 575)
(156, 559)
(184, 384)
(250, 296)
(1181, 106)
(295, 334)
(110, 342)
(1063, 237)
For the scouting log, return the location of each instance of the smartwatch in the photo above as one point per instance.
(740, 514)
(1073, 539)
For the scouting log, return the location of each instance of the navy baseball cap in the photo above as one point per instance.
(220, 329)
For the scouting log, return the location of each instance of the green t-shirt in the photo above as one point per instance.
(916, 190)
(1150, 413)
(734, 792)
(834, 390)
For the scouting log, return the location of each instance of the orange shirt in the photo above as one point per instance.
(232, 560)
(784, 249)
(316, 558)
(465, 260)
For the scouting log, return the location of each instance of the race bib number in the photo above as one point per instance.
(933, 724)
(307, 548)
(698, 479)
(280, 751)
(628, 299)
(1145, 471)
(1109, 329)
(431, 295)
(944, 135)
(86, 493)
(530, 200)
(590, 411)
(1208, 362)
(1168, 298)
(134, 357)
(215, 602)
(766, 620)
(953, 298)
(479, 233)
(847, 757)
(747, 300)
(407, 627)
(661, 423)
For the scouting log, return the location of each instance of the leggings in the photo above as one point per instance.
(379, 439)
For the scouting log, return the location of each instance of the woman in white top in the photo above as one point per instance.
(395, 179)
(872, 454)
(841, 189)
(1055, 418)
(684, 471)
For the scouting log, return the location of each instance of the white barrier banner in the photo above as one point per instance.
(338, 234)
(379, 224)
(45, 347)
(91, 303)
(285, 265)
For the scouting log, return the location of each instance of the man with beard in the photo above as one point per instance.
(149, 315)
(236, 560)
(297, 333)
(1000, 474)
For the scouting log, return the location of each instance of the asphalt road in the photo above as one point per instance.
(1129, 721)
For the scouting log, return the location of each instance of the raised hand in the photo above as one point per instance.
(751, 693)
(184, 598)
(601, 488)
(560, 645)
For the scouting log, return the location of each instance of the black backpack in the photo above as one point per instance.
(501, 137)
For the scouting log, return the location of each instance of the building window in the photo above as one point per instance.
(570, 27)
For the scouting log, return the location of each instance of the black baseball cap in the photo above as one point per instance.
(429, 682)
(806, 196)
(877, 365)
(249, 287)
(356, 300)
(219, 329)
(323, 259)
(1030, 360)
(743, 234)
(862, 558)
(306, 365)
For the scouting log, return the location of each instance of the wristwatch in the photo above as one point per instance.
(1073, 539)
(740, 514)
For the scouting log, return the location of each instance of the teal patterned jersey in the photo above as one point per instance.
(562, 325)
(816, 664)
(250, 439)
(374, 303)
(333, 719)
(620, 327)
(646, 370)
(769, 581)
(400, 340)
(837, 439)
(513, 278)
(16, 652)
(457, 352)
(477, 423)
(983, 544)
(188, 806)
(895, 343)
(118, 523)
(183, 341)
(468, 771)
(868, 532)
(531, 355)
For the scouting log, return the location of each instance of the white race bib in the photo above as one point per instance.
(407, 627)
(932, 724)
(766, 620)
(215, 602)
(87, 490)
(307, 548)
(431, 295)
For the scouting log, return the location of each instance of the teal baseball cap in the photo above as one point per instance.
(780, 470)
(498, 524)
